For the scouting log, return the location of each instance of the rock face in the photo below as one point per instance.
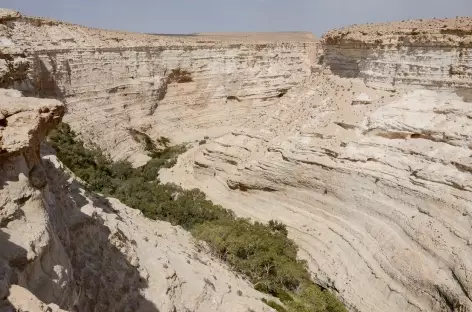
(382, 201)
(116, 82)
(26, 238)
(64, 248)
(365, 155)
(436, 54)
(378, 196)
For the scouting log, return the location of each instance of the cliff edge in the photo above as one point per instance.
(114, 83)
(66, 248)
(359, 143)
(368, 162)
(433, 54)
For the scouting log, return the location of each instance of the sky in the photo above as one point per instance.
(192, 16)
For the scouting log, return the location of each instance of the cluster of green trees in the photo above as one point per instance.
(261, 252)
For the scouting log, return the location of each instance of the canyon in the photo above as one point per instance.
(99, 74)
(64, 248)
(359, 142)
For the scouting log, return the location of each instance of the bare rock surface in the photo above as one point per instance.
(435, 54)
(6, 14)
(377, 195)
(23, 300)
(114, 83)
(65, 249)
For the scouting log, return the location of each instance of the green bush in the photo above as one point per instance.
(274, 305)
(180, 76)
(262, 252)
(163, 141)
(268, 258)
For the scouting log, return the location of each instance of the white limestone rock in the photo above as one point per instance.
(112, 81)
(362, 99)
(378, 196)
(65, 248)
(7, 15)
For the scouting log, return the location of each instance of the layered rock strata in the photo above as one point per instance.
(63, 248)
(436, 54)
(181, 87)
(366, 159)
(378, 195)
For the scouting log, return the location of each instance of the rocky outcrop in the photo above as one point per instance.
(117, 82)
(378, 196)
(371, 175)
(436, 54)
(13, 64)
(65, 248)
(32, 255)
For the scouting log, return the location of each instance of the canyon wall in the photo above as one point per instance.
(370, 171)
(65, 248)
(436, 54)
(183, 87)
(366, 158)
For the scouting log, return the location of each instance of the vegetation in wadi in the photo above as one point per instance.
(261, 252)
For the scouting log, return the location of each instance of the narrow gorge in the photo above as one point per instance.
(360, 143)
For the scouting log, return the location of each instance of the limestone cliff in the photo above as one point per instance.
(179, 87)
(374, 184)
(366, 158)
(65, 248)
(436, 54)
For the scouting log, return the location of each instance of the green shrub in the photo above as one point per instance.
(278, 227)
(163, 141)
(262, 252)
(274, 305)
(268, 258)
(180, 76)
(142, 137)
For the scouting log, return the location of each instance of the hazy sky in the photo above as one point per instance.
(189, 16)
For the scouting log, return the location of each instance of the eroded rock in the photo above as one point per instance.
(65, 249)
(8, 15)
(112, 81)
(377, 196)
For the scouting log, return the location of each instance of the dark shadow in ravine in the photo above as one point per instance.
(105, 278)
(11, 256)
(465, 93)
(8, 175)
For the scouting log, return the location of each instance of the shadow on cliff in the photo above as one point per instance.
(8, 175)
(43, 82)
(465, 93)
(348, 68)
(11, 256)
(107, 278)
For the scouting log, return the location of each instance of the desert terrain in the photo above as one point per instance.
(359, 142)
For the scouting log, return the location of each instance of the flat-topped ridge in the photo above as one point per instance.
(300, 36)
(124, 38)
(441, 31)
